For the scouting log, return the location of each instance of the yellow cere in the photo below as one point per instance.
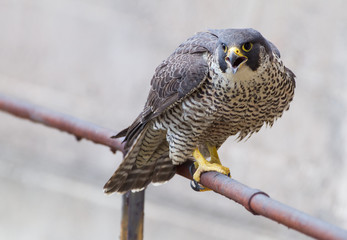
(236, 50)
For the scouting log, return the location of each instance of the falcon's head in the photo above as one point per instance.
(243, 50)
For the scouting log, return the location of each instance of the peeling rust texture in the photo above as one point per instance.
(255, 201)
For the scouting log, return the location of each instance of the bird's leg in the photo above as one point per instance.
(202, 165)
(213, 154)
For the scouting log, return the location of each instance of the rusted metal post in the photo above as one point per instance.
(136, 215)
(125, 218)
(132, 215)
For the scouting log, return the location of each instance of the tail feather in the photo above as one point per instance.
(164, 171)
(159, 168)
(121, 174)
(146, 161)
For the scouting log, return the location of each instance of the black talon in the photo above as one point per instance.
(196, 186)
(192, 169)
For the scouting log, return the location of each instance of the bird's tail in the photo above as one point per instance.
(146, 161)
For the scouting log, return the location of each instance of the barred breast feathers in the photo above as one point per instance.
(259, 98)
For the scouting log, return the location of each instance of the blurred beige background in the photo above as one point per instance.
(94, 60)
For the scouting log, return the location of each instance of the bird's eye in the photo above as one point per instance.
(247, 46)
(225, 48)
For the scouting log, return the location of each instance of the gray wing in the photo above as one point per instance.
(174, 79)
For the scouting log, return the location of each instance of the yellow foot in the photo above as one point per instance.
(213, 154)
(202, 165)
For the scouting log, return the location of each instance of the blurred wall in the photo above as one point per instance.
(94, 60)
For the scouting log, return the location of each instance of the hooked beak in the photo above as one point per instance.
(236, 58)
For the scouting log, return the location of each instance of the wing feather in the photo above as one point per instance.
(174, 79)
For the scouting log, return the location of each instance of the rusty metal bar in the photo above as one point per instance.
(255, 201)
(132, 203)
(259, 203)
(79, 128)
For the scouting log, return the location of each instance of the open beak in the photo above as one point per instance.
(236, 58)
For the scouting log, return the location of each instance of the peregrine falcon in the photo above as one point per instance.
(216, 84)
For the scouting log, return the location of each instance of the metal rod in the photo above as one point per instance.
(79, 128)
(125, 218)
(259, 203)
(255, 201)
(136, 214)
(132, 215)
